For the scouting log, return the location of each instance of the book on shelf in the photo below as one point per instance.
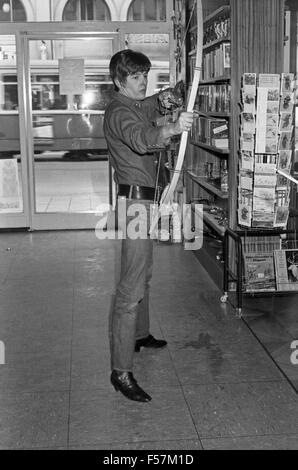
(286, 266)
(214, 98)
(216, 63)
(219, 133)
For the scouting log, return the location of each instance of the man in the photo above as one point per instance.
(132, 138)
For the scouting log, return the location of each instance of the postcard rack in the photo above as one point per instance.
(234, 279)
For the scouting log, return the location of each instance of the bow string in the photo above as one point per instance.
(168, 192)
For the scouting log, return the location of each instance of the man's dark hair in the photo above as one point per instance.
(127, 62)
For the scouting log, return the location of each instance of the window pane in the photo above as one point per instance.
(11, 200)
(156, 47)
(102, 13)
(150, 10)
(5, 11)
(135, 11)
(162, 10)
(70, 11)
(19, 13)
(83, 11)
(89, 9)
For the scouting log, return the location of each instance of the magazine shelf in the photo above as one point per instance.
(215, 144)
(214, 114)
(216, 73)
(216, 42)
(222, 78)
(211, 148)
(223, 11)
(212, 221)
(259, 272)
(208, 185)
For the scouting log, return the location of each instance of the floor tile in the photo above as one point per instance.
(101, 416)
(90, 368)
(282, 442)
(32, 420)
(183, 444)
(245, 409)
(38, 371)
(217, 382)
(204, 361)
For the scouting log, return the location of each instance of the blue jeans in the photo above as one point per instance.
(130, 315)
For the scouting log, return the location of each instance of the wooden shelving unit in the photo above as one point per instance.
(223, 152)
(256, 38)
(208, 185)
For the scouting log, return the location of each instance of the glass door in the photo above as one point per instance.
(68, 90)
(13, 183)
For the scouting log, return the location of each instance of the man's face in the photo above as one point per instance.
(135, 86)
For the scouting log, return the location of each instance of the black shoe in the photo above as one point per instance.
(127, 384)
(149, 342)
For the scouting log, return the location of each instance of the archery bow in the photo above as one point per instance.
(168, 192)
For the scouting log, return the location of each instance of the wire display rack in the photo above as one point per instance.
(235, 277)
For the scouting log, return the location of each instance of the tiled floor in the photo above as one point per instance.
(222, 382)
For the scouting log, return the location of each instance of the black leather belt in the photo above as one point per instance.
(136, 192)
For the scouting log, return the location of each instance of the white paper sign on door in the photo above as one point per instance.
(72, 76)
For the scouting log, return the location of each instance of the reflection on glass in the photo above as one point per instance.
(147, 10)
(10, 162)
(86, 10)
(12, 10)
(70, 155)
(69, 184)
(156, 47)
(46, 94)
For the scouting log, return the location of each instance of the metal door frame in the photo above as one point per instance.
(24, 32)
(57, 220)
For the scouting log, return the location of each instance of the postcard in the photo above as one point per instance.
(249, 102)
(272, 120)
(271, 146)
(287, 82)
(244, 214)
(285, 141)
(286, 122)
(282, 183)
(281, 216)
(250, 83)
(269, 80)
(284, 160)
(264, 180)
(272, 107)
(287, 102)
(273, 94)
(247, 160)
